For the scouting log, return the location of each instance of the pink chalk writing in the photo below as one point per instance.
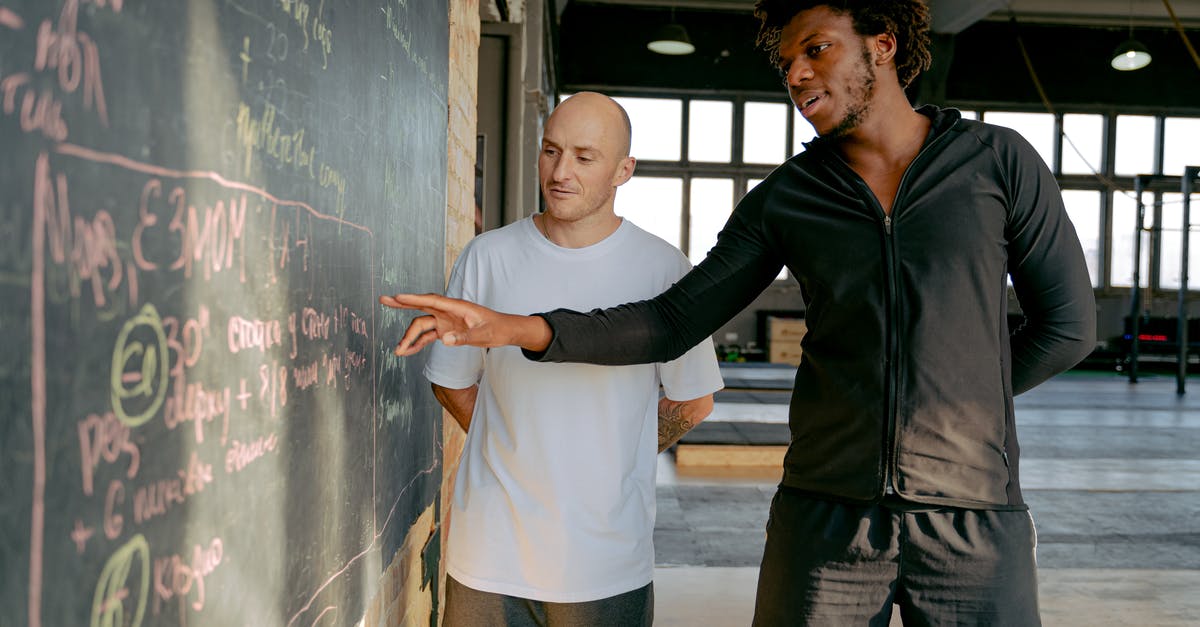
(40, 111)
(80, 535)
(75, 56)
(305, 375)
(108, 438)
(156, 498)
(89, 246)
(273, 386)
(314, 324)
(113, 520)
(175, 577)
(115, 4)
(10, 19)
(246, 334)
(241, 454)
(191, 402)
(188, 343)
(213, 240)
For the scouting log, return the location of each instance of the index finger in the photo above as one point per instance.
(423, 302)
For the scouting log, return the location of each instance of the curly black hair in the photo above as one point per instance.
(908, 20)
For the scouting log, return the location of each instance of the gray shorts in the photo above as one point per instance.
(829, 563)
(467, 607)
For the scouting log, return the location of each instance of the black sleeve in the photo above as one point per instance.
(1049, 275)
(738, 268)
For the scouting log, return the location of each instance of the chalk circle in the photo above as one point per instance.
(148, 381)
(112, 591)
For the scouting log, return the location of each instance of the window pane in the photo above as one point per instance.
(657, 127)
(1172, 243)
(1083, 207)
(765, 133)
(712, 202)
(653, 203)
(1181, 139)
(970, 115)
(1135, 145)
(1124, 217)
(1036, 128)
(802, 132)
(710, 131)
(1081, 153)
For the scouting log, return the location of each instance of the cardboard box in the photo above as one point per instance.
(786, 329)
(783, 339)
(784, 352)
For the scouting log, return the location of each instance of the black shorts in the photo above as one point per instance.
(828, 563)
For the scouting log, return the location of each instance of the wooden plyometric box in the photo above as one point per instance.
(786, 329)
(783, 343)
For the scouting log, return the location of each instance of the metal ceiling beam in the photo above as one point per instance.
(952, 16)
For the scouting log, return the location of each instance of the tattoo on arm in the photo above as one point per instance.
(672, 424)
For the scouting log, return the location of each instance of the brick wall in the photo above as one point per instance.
(403, 597)
(460, 195)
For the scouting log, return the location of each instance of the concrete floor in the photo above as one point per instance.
(1111, 472)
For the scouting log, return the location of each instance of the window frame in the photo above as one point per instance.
(1105, 181)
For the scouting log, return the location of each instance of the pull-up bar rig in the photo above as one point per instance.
(1140, 182)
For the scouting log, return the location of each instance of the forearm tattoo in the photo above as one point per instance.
(672, 424)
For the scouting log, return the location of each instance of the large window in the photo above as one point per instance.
(657, 127)
(1036, 128)
(1181, 144)
(653, 203)
(1083, 143)
(1084, 209)
(698, 154)
(1124, 235)
(1135, 142)
(683, 191)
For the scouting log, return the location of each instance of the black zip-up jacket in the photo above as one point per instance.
(909, 368)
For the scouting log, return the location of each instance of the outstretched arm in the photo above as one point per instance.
(675, 418)
(460, 403)
(461, 323)
(741, 265)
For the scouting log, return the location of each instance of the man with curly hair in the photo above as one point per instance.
(901, 225)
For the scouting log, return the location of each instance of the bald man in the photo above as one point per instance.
(553, 511)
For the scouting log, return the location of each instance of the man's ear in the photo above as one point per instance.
(624, 171)
(884, 46)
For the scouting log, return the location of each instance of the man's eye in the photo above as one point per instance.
(585, 159)
(816, 50)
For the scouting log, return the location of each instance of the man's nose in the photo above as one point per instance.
(798, 72)
(562, 168)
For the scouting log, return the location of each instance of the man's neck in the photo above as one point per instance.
(577, 233)
(889, 138)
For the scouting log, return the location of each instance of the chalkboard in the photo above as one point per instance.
(201, 421)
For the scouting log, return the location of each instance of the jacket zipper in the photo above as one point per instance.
(893, 344)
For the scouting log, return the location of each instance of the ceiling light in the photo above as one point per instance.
(671, 39)
(1131, 55)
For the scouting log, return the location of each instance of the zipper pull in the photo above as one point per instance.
(887, 224)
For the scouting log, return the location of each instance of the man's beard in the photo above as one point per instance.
(857, 111)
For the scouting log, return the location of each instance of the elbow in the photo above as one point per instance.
(1085, 335)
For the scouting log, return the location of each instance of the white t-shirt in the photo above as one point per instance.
(554, 499)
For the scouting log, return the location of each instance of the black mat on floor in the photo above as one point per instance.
(744, 433)
(758, 376)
